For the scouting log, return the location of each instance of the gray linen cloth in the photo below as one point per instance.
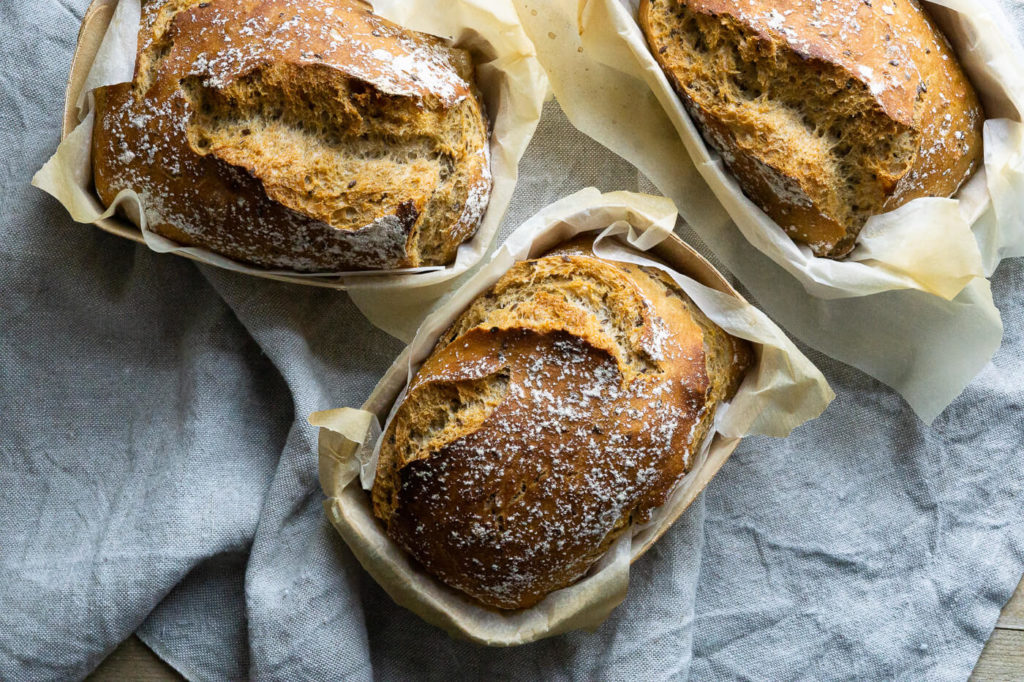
(157, 474)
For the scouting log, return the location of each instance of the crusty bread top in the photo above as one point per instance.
(826, 112)
(563, 405)
(304, 134)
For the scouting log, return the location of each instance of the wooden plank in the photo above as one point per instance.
(133, 660)
(1002, 660)
(1013, 614)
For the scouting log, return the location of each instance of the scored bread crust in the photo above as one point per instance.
(308, 135)
(560, 408)
(825, 112)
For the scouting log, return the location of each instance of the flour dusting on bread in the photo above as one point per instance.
(562, 407)
(825, 112)
(409, 66)
(307, 135)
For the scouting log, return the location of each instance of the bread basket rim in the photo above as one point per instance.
(90, 36)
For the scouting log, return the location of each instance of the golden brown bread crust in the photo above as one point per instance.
(562, 406)
(825, 112)
(308, 135)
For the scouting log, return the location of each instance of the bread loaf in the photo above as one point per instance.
(559, 409)
(825, 112)
(308, 135)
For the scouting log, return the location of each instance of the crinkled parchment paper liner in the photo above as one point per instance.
(927, 244)
(512, 81)
(781, 392)
(916, 279)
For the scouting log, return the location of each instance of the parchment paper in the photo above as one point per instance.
(612, 88)
(508, 74)
(782, 391)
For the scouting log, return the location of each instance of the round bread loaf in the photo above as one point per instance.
(825, 112)
(308, 135)
(563, 406)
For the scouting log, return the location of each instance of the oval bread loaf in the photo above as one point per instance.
(560, 408)
(825, 112)
(308, 135)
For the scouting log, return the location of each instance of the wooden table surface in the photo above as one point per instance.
(1002, 659)
(1003, 656)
